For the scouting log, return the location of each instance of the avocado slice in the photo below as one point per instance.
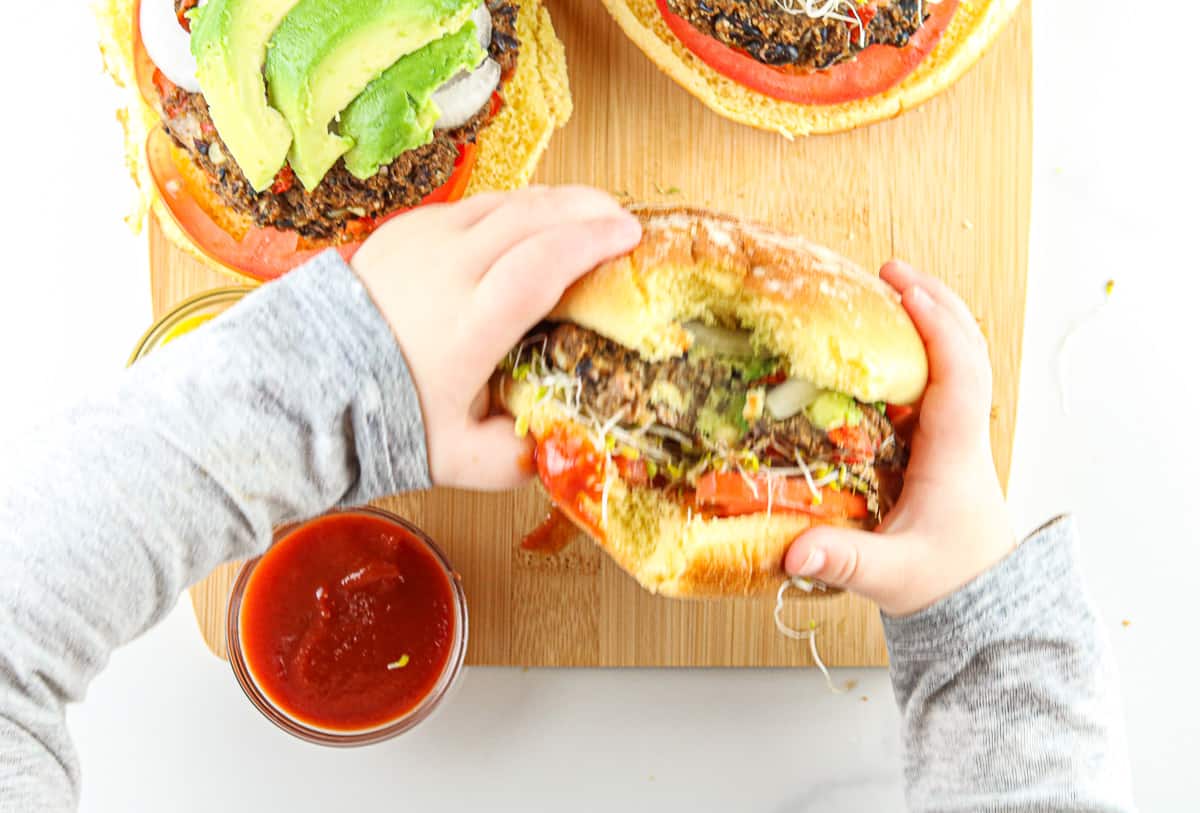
(229, 41)
(326, 52)
(396, 112)
(832, 410)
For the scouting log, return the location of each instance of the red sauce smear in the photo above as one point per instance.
(573, 473)
(553, 535)
(331, 606)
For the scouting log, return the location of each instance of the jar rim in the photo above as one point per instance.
(182, 309)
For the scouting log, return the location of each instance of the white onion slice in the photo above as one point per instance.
(167, 44)
(721, 340)
(788, 398)
(483, 25)
(463, 96)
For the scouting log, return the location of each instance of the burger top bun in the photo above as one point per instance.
(837, 325)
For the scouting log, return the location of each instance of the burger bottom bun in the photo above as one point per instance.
(655, 538)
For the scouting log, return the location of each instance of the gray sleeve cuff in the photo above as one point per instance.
(1014, 596)
(324, 302)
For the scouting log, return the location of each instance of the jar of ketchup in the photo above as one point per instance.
(349, 630)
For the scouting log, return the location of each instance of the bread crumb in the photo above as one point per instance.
(850, 684)
(864, 698)
(1125, 622)
(651, 777)
(968, 225)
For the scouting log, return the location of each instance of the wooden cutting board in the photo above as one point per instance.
(946, 186)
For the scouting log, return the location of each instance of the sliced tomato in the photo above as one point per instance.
(285, 179)
(181, 11)
(876, 69)
(898, 413)
(456, 185)
(263, 253)
(729, 494)
(635, 472)
(573, 473)
(853, 443)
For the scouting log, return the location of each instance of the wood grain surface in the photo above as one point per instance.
(946, 186)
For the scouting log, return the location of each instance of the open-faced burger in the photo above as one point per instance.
(265, 130)
(812, 66)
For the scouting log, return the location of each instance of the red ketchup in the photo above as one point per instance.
(553, 535)
(348, 622)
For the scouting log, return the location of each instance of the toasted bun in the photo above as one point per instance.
(836, 324)
(975, 25)
(669, 550)
(537, 102)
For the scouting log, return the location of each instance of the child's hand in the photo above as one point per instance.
(460, 284)
(950, 524)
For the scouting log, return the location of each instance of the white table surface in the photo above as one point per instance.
(1115, 186)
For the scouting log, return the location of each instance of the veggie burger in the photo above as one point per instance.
(812, 66)
(266, 130)
(701, 401)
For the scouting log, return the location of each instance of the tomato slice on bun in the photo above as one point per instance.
(875, 70)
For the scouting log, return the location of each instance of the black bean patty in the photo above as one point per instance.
(616, 380)
(342, 206)
(766, 30)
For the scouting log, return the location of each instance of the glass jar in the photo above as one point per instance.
(407, 720)
(187, 316)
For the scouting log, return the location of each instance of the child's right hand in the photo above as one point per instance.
(950, 524)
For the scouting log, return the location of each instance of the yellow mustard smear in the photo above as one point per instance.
(185, 326)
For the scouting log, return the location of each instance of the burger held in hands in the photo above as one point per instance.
(701, 401)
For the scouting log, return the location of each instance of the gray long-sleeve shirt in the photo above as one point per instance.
(297, 400)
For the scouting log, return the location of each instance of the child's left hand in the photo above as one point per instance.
(460, 284)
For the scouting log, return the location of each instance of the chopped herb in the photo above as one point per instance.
(758, 368)
(670, 190)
